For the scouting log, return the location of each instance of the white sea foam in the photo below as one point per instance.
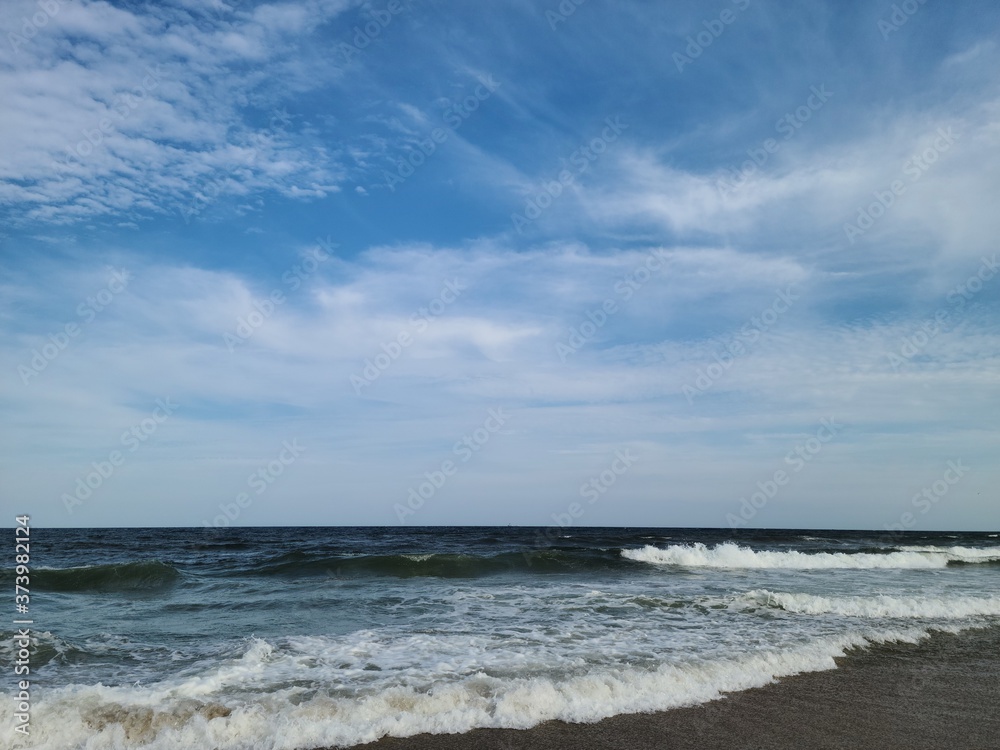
(880, 606)
(965, 554)
(729, 555)
(182, 714)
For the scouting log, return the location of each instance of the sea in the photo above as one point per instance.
(310, 638)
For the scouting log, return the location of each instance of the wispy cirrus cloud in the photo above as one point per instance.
(113, 111)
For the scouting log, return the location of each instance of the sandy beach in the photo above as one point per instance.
(943, 692)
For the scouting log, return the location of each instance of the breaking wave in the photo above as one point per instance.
(131, 576)
(729, 555)
(204, 710)
(902, 607)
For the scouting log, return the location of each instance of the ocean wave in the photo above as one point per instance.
(130, 576)
(45, 647)
(49, 648)
(152, 575)
(881, 606)
(958, 554)
(729, 555)
(208, 713)
(442, 565)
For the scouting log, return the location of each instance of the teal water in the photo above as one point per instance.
(305, 638)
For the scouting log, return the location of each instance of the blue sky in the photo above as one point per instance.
(328, 262)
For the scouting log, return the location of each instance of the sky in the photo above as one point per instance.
(416, 262)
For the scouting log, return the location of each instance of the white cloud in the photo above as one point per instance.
(111, 112)
(492, 346)
(805, 193)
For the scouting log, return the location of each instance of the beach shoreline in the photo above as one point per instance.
(942, 692)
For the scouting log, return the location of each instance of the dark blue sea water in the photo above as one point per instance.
(319, 637)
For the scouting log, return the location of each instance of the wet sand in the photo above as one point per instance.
(940, 694)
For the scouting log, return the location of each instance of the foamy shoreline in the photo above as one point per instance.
(939, 693)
